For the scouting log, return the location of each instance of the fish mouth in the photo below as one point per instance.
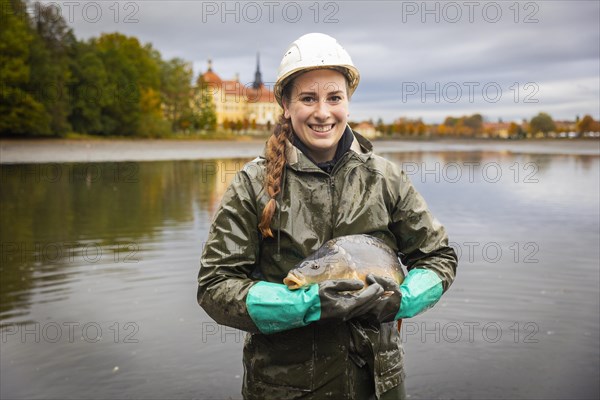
(294, 281)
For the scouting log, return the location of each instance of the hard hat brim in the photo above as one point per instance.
(349, 71)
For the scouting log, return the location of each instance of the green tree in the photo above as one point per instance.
(206, 117)
(22, 114)
(87, 89)
(542, 123)
(176, 88)
(133, 81)
(50, 52)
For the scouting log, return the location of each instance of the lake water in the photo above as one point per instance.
(99, 265)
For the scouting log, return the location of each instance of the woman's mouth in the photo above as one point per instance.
(322, 128)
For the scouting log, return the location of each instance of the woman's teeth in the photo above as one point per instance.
(321, 128)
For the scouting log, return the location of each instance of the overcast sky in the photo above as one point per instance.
(504, 59)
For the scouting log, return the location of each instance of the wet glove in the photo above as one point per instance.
(419, 291)
(385, 308)
(338, 301)
(275, 308)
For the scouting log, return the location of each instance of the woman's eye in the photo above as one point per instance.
(335, 99)
(307, 99)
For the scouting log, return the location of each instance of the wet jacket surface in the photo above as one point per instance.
(364, 194)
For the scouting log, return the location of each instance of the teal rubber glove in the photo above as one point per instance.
(419, 291)
(275, 308)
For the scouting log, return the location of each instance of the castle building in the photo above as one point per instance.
(252, 105)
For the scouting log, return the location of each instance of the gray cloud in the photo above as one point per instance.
(554, 45)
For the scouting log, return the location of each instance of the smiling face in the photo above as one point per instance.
(318, 109)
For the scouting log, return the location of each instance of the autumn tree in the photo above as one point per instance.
(587, 124)
(515, 130)
(542, 123)
(474, 124)
(400, 126)
(421, 128)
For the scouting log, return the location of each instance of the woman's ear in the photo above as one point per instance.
(286, 111)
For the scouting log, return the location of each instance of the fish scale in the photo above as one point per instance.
(346, 257)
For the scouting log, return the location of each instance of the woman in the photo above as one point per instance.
(319, 180)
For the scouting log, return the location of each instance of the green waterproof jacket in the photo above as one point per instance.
(363, 194)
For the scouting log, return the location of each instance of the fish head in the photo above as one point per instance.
(321, 266)
(300, 276)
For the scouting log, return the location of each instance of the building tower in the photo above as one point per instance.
(257, 75)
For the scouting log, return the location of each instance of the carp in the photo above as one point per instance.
(346, 257)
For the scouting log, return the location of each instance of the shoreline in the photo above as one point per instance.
(25, 151)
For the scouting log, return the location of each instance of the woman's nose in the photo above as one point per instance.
(322, 110)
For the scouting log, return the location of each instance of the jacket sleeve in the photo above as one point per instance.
(422, 240)
(230, 254)
(226, 290)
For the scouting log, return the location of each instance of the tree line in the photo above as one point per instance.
(111, 85)
(541, 125)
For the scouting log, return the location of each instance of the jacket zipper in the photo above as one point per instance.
(336, 168)
(332, 194)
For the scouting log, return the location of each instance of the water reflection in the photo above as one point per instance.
(58, 217)
(113, 248)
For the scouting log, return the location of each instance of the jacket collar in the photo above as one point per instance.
(360, 148)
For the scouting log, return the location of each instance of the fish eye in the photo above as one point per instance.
(315, 266)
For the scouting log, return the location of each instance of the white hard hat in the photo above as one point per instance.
(314, 51)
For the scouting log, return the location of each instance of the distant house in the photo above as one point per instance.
(251, 105)
(367, 129)
(565, 126)
(496, 129)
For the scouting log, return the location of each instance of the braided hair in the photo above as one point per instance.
(276, 160)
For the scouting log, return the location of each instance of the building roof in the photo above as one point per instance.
(260, 95)
(256, 92)
(209, 76)
(496, 125)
